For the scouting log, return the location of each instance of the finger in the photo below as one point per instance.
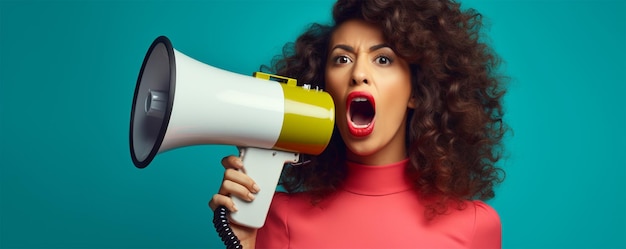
(242, 179)
(232, 162)
(230, 188)
(222, 200)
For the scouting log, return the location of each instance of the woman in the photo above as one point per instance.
(417, 138)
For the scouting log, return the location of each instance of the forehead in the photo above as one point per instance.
(357, 31)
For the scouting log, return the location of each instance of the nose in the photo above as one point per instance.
(360, 73)
(358, 81)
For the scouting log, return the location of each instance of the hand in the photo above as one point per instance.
(236, 183)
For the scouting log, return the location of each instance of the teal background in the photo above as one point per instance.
(68, 71)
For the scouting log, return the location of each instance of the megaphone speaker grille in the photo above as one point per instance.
(152, 101)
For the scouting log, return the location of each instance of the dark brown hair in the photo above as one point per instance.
(454, 134)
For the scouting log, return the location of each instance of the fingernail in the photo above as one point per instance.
(250, 196)
(234, 208)
(256, 188)
(239, 162)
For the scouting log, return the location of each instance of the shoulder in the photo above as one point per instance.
(486, 216)
(276, 231)
(282, 201)
(487, 226)
(279, 209)
(474, 224)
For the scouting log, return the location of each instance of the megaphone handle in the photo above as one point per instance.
(264, 167)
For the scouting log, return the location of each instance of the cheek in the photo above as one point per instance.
(400, 85)
(396, 95)
(334, 87)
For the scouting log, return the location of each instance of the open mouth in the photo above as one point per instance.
(361, 113)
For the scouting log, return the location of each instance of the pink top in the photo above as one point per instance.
(376, 208)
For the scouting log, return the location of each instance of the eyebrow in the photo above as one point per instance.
(351, 49)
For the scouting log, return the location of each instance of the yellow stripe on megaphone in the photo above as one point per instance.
(309, 110)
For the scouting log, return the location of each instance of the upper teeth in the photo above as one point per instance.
(359, 99)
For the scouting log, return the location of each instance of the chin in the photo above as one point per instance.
(361, 148)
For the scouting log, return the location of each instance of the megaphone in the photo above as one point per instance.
(179, 101)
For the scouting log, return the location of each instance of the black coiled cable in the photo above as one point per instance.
(220, 221)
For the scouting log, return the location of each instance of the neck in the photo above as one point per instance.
(378, 158)
(379, 180)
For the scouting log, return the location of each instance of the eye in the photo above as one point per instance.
(383, 60)
(342, 59)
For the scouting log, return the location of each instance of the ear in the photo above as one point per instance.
(411, 104)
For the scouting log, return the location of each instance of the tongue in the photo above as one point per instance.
(360, 119)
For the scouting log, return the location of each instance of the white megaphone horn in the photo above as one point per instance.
(180, 101)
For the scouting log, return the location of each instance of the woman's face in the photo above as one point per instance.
(371, 87)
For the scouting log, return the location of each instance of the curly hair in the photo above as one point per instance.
(454, 135)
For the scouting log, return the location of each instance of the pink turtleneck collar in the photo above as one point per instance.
(377, 180)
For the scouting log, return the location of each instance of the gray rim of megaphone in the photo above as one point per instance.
(166, 118)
